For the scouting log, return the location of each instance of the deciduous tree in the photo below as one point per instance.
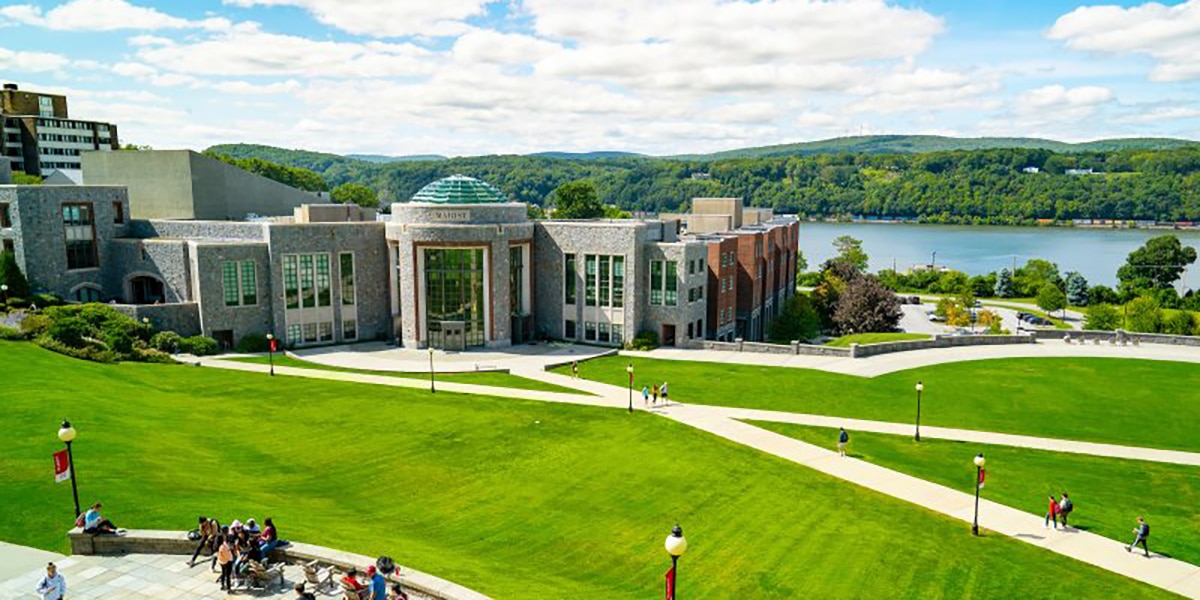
(353, 193)
(1156, 265)
(865, 306)
(577, 200)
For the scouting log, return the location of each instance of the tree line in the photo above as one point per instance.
(994, 186)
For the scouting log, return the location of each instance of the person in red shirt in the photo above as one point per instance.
(1052, 513)
(351, 582)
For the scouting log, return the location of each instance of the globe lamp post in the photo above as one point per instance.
(66, 433)
(979, 462)
(676, 545)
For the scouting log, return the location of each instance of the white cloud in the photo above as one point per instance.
(927, 90)
(102, 15)
(381, 18)
(1159, 114)
(33, 62)
(1057, 98)
(1168, 34)
(241, 53)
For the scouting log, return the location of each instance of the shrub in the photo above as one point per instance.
(17, 302)
(1144, 315)
(11, 275)
(1179, 323)
(11, 334)
(1102, 317)
(151, 355)
(166, 341)
(198, 345)
(645, 340)
(252, 343)
(70, 331)
(94, 353)
(46, 300)
(34, 325)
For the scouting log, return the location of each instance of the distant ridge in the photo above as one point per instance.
(380, 158)
(588, 155)
(915, 144)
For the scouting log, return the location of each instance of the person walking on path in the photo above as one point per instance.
(52, 586)
(645, 395)
(663, 390)
(1141, 533)
(575, 369)
(1065, 506)
(209, 529)
(843, 439)
(654, 393)
(1052, 513)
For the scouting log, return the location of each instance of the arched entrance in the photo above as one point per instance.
(145, 289)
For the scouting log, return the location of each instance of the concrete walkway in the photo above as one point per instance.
(19, 560)
(1166, 573)
(902, 361)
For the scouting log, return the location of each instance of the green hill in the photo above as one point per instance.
(917, 144)
(381, 158)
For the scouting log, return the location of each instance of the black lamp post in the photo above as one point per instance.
(629, 370)
(920, 388)
(432, 390)
(66, 433)
(676, 545)
(978, 484)
(271, 352)
(4, 288)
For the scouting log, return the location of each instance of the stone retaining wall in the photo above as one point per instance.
(182, 318)
(1107, 336)
(938, 341)
(155, 541)
(794, 348)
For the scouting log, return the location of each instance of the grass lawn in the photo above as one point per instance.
(1108, 493)
(478, 378)
(874, 338)
(1125, 401)
(516, 499)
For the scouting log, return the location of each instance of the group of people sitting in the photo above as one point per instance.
(235, 547)
(375, 586)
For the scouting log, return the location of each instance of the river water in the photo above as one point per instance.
(1095, 253)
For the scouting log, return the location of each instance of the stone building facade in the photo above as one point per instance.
(457, 267)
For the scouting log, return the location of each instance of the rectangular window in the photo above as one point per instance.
(5, 218)
(346, 264)
(249, 284)
(672, 284)
(618, 281)
(308, 296)
(229, 281)
(605, 283)
(589, 281)
(516, 280)
(616, 334)
(45, 106)
(656, 282)
(325, 331)
(310, 332)
(589, 331)
(691, 267)
(294, 335)
(569, 279)
(349, 330)
(603, 336)
(691, 332)
(291, 281)
(80, 236)
(118, 213)
(569, 329)
(324, 289)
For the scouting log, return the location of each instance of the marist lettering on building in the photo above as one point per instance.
(448, 216)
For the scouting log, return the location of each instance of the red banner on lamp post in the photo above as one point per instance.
(671, 584)
(62, 466)
(274, 347)
(982, 476)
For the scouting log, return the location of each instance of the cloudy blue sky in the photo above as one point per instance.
(461, 77)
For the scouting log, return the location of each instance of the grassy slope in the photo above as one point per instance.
(1136, 402)
(1108, 493)
(874, 338)
(480, 378)
(516, 499)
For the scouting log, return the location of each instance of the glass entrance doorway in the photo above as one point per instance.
(454, 293)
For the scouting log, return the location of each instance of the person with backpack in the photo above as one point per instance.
(95, 523)
(645, 395)
(52, 586)
(663, 391)
(208, 531)
(1065, 506)
(1052, 513)
(843, 439)
(1141, 533)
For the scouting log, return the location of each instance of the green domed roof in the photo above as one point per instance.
(459, 189)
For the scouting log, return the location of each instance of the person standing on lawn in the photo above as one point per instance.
(843, 439)
(1141, 533)
(1052, 513)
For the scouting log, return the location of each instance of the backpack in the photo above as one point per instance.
(81, 520)
(1068, 506)
(844, 437)
(1145, 530)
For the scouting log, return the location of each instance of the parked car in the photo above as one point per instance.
(914, 299)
